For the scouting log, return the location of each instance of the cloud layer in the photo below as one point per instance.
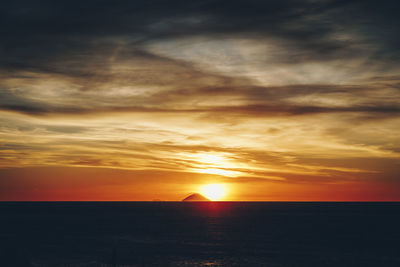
(287, 92)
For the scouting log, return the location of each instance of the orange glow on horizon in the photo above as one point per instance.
(100, 184)
(214, 192)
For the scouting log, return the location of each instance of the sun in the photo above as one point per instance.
(214, 192)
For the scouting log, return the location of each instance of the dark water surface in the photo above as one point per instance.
(199, 234)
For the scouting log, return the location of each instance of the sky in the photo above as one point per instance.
(143, 100)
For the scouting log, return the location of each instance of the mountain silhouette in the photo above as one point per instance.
(196, 197)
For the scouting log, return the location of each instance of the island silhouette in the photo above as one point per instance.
(195, 197)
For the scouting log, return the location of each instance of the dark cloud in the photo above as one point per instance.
(80, 42)
(36, 33)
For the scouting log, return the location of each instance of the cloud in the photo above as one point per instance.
(319, 28)
(292, 92)
(228, 56)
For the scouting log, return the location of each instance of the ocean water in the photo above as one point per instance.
(199, 234)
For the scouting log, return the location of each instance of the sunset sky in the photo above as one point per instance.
(142, 100)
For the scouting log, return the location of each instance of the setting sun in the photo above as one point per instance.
(214, 191)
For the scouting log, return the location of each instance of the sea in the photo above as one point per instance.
(125, 234)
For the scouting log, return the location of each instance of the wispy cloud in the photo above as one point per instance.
(291, 92)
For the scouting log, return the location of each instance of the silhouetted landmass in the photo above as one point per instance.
(195, 197)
